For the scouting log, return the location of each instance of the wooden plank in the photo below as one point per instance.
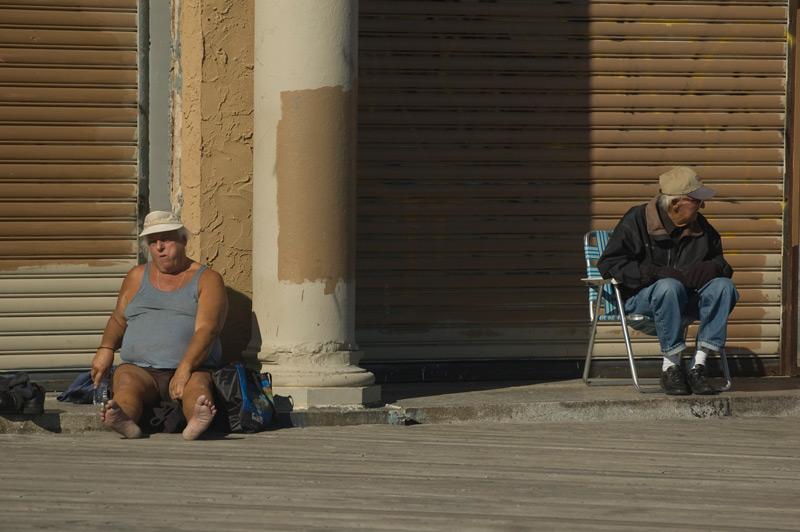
(16, 268)
(373, 288)
(76, 133)
(576, 173)
(551, 207)
(414, 114)
(69, 96)
(65, 210)
(50, 38)
(585, 101)
(88, 248)
(73, 17)
(80, 228)
(560, 189)
(400, 43)
(82, 114)
(387, 227)
(84, 77)
(518, 262)
(64, 172)
(121, 153)
(530, 136)
(576, 10)
(66, 190)
(38, 285)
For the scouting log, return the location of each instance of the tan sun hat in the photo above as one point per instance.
(682, 180)
(161, 222)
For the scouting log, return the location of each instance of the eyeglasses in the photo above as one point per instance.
(693, 200)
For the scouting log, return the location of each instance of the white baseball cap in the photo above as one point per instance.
(161, 222)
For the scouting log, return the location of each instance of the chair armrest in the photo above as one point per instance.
(598, 281)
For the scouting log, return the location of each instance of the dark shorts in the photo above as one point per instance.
(161, 378)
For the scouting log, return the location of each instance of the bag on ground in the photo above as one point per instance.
(245, 397)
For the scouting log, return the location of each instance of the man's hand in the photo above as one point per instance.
(656, 273)
(701, 273)
(101, 364)
(178, 383)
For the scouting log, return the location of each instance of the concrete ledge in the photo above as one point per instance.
(337, 417)
(502, 402)
(58, 418)
(634, 410)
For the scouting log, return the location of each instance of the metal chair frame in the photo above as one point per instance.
(607, 291)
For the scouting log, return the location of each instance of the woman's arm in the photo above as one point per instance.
(212, 308)
(116, 325)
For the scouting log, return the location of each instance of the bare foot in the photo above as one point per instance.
(204, 412)
(113, 416)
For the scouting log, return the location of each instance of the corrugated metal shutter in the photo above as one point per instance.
(492, 135)
(68, 175)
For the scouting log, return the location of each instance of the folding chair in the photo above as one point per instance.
(607, 292)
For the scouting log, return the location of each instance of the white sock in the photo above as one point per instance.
(699, 358)
(669, 361)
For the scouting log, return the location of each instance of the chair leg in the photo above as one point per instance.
(588, 364)
(590, 353)
(726, 371)
(629, 348)
(637, 382)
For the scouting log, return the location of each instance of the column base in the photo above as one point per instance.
(318, 376)
(288, 398)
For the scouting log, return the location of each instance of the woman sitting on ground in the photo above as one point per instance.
(166, 322)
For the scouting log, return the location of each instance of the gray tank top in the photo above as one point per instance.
(161, 325)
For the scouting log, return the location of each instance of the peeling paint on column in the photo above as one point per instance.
(315, 187)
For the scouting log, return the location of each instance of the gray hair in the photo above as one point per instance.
(144, 247)
(664, 200)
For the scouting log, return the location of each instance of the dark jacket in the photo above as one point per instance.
(640, 239)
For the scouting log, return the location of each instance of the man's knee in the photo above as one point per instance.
(721, 288)
(722, 284)
(668, 288)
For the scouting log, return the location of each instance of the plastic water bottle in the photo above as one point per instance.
(101, 392)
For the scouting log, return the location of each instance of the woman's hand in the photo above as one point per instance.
(101, 364)
(178, 383)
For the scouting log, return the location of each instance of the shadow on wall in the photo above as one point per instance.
(238, 326)
(478, 152)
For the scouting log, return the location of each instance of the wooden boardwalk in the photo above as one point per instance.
(740, 474)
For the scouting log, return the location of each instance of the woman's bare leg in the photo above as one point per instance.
(132, 389)
(198, 404)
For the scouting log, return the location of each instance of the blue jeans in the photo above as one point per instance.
(667, 301)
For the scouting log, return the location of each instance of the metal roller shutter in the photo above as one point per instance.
(68, 175)
(492, 135)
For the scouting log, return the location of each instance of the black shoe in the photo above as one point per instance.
(35, 404)
(673, 381)
(10, 403)
(698, 381)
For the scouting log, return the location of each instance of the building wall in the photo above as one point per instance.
(212, 146)
(405, 162)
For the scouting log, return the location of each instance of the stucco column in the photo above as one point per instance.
(304, 201)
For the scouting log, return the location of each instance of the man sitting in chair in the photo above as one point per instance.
(668, 262)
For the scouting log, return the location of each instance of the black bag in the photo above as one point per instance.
(245, 397)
